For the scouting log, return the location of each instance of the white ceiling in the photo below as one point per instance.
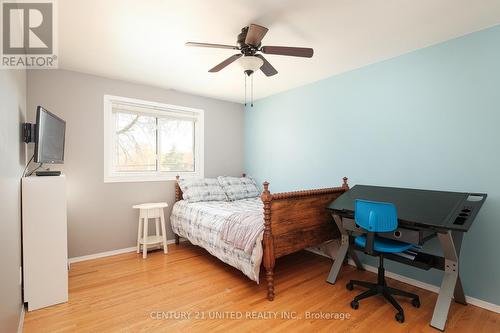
(143, 41)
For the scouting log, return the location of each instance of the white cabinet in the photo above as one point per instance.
(45, 250)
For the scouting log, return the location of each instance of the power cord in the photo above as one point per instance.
(32, 171)
(27, 165)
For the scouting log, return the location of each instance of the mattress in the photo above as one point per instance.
(201, 223)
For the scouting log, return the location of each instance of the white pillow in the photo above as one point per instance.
(239, 188)
(202, 189)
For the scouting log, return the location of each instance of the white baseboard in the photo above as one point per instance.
(430, 287)
(21, 320)
(109, 253)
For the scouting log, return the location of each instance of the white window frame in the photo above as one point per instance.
(154, 108)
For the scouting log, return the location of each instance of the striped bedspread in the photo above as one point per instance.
(202, 223)
(241, 230)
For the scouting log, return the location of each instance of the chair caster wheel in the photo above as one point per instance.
(415, 302)
(400, 317)
(354, 305)
(349, 286)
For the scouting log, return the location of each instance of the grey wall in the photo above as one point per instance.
(12, 161)
(100, 217)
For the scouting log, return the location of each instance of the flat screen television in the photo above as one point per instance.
(49, 138)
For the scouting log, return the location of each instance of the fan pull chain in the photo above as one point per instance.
(251, 92)
(245, 88)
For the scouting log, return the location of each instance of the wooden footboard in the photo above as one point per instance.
(293, 221)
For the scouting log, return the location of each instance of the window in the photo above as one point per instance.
(147, 141)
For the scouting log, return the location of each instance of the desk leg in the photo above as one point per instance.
(451, 281)
(342, 252)
(355, 258)
(458, 293)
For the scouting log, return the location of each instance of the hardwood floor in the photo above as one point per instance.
(125, 293)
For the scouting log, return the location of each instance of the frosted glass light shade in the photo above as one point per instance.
(251, 63)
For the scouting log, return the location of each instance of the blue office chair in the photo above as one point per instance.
(376, 217)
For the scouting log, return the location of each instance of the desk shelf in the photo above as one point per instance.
(423, 260)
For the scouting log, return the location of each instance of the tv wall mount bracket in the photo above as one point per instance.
(29, 132)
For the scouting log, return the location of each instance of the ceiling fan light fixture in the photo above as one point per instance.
(250, 64)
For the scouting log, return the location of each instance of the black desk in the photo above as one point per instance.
(422, 214)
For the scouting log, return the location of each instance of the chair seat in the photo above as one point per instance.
(384, 244)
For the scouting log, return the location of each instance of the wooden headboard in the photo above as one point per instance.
(178, 191)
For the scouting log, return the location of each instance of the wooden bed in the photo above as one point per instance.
(293, 221)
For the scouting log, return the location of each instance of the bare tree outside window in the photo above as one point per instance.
(137, 145)
(135, 142)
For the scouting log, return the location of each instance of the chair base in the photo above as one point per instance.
(381, 288)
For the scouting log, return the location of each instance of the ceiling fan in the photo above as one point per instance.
(249, 45)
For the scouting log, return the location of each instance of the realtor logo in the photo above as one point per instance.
(28, 34)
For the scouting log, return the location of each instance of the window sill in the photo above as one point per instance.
(142, 178)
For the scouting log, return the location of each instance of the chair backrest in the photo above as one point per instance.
(375, 216)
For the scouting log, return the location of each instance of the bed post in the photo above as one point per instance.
(344, 184)
(178, 197)
(268, 242)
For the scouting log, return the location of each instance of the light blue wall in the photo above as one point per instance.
(428, 119)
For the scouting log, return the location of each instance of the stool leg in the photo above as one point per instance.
(164, 232)
(157, 222)
(139, 236)
(157, 226)
(145, 236)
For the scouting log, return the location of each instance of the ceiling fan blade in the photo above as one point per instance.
(255, 34)
(267, 68)
(225, 63)
(217, 46)
(288, 51)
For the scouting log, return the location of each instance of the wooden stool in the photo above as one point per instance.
(151, 211)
